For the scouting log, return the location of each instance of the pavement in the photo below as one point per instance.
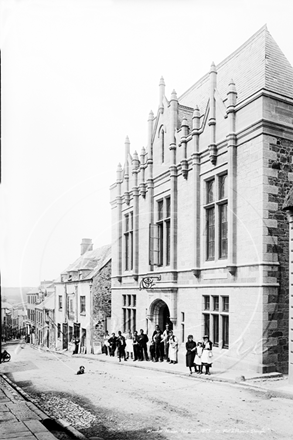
(21, 419)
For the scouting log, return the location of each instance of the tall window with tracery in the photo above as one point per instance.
(216, 220)
(163, 146)
(128, 240)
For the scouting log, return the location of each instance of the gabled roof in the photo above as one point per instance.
(257, 64)
(91, 261)
(105, 258)
(5, 305)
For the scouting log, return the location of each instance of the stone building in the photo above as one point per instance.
(288, 208)
(40, 305)
(199, 238)
(83, 298)
(31, 299)
(6, 320)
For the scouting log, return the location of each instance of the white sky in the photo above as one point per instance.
(77, 77)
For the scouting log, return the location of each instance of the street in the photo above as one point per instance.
(116, 401)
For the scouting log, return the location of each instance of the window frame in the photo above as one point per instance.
(164, 231)
(128, 241)
(129, 308)
(216, 320)
(82, 305)
(215, 205)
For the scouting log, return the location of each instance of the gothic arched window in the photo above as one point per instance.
(163, 145)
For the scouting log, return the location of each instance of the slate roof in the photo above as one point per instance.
(5, 305)
(91, 262)
(257, 64)
(186, 112)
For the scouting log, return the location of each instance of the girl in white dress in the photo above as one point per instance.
(129, 345)
(173, 348)
(197, 359)
(207, 354)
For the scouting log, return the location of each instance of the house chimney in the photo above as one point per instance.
(86, 245)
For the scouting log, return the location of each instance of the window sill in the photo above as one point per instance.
(82, 313)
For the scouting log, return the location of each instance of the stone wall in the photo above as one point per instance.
(101, 301)
(280, 160)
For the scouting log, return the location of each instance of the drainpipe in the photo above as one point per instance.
(212, 119)
(150, 182)
(196, 191)
(173, 183)
(232, 172)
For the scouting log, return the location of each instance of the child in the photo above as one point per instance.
(197, 359)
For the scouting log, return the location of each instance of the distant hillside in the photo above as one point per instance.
(14, 295)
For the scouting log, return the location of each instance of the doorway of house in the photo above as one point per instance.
(161, 314)
(65, 336)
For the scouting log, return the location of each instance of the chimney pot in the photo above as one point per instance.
(86, 245)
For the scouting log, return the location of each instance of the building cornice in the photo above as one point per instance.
(200, 286)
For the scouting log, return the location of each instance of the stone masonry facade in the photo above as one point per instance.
(281, 161)
(199, 238)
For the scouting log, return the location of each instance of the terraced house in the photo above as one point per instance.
(83, 299)
(199, 236)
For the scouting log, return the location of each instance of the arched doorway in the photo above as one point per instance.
(161, 314)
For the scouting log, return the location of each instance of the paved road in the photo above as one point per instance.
(116, 401)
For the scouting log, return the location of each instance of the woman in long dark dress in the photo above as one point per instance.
(190, 353)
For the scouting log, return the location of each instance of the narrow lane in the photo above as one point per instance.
(117, 401)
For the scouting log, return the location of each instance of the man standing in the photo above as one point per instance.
(112, 344)
(166, 335)
(143, 340)
(76, 345)
(121, 346)
(157, 338)
(136, 347)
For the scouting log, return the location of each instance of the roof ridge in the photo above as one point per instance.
(228, 58)
(240, 48)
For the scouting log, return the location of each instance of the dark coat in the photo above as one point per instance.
(143, 340)
(190, 355)
(157, 337)
(112, 342)
(120, 341)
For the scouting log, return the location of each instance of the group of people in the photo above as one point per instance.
(199, 354)
(163, 346)
(129, 346)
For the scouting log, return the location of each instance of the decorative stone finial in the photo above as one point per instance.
(213, 68)
(135, 156)
(196, 118)
(173, 96)
(184, 122)
(151, 115)
(162, 82)
(118, 172)
(232, 87)
(196, 112)
(232, 95)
